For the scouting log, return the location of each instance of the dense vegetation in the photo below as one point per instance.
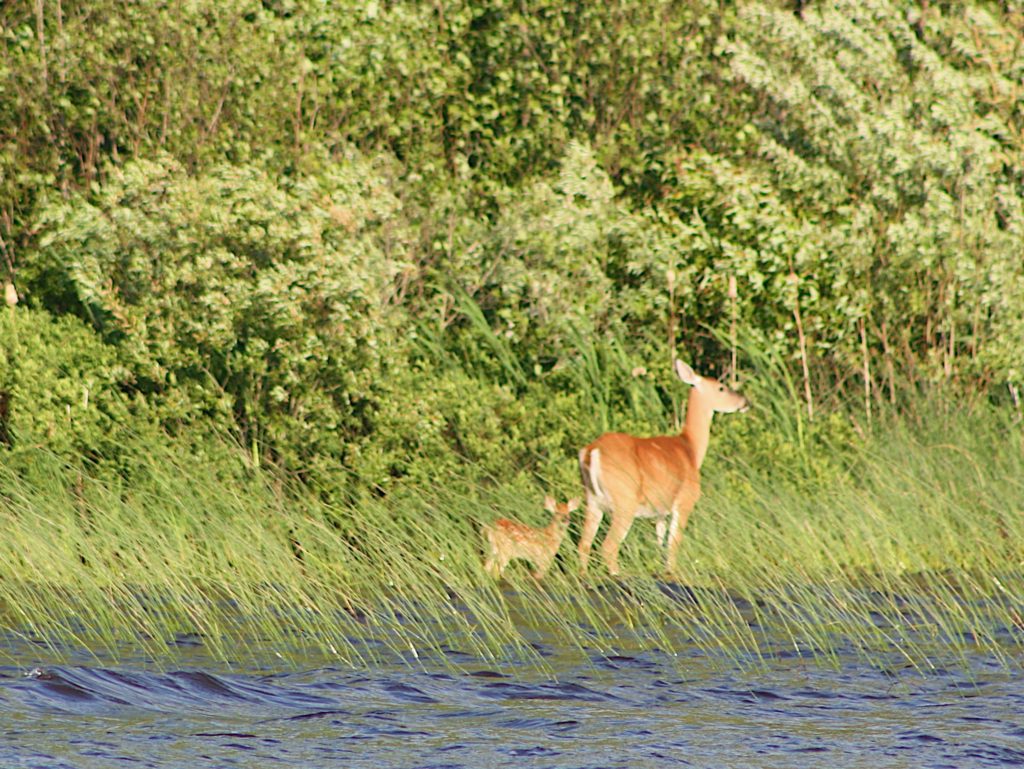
(352, 251)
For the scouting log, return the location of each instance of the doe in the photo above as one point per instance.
(510, 539)
(651, 477)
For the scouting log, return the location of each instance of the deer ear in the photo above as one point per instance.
(686, 373)
(549, 504)
(573, 504)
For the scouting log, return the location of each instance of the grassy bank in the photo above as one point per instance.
(297, 295)
(908, 543)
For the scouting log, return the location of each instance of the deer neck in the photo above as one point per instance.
(556, 529)
(697, 428)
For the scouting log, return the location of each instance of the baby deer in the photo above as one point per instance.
(510, 539)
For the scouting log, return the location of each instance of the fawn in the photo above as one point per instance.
(510, 539)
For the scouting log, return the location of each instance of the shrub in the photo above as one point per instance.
(236, 299)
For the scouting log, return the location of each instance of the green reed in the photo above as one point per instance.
(909, 551)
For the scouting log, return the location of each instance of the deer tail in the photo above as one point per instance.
(590, 472)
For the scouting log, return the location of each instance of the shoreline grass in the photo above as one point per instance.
(913, 548)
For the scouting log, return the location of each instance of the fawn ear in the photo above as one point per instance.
(686, 373)
(573, 504)
(549, 504)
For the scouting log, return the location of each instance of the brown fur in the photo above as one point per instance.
(651, 477)
(510, 539)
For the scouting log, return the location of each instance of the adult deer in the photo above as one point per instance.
(651, 477)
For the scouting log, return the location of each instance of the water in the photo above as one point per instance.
(644, 709)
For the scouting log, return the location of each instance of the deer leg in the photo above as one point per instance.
(591, 522)
(660, 531)
(681, 509)
(495, 566)
(489, 553)
(491, 565)
(542, 567)
(613, 539)
(675, 534)
(503, 562)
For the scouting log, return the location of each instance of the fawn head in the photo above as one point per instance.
(560, 510)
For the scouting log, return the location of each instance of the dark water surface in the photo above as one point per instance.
(641, 710)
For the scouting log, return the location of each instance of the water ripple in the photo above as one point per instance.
(631, 711)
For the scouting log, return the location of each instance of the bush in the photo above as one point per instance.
(237, 300)
(64, 389)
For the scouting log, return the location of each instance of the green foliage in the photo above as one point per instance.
(886, 174)
(379, 241)
(63, 388)
(235, 299)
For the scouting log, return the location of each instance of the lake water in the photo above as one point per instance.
(644, 709)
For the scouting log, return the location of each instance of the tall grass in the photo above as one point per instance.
(907, 546)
